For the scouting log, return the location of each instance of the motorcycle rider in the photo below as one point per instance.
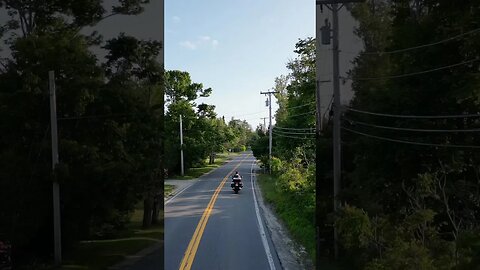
(237, 176)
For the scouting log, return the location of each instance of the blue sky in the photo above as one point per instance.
(236, 47)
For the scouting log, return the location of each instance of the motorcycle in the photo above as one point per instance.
(236, 184)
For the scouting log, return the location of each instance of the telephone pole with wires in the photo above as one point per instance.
(269, 104)
(328, 34)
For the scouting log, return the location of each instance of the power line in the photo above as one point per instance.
(411, 142)
(303, 105)
(411, 74)
(285, 128)
(307, 113)
(413, 129)
(293, 137)
(474, 31)
(415, 116)
(294, 133)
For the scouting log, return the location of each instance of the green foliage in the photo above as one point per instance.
(425, 197)
(354, 227)
(203, 133)
(293, 158)
(109, 128)
(294, 210)
(277, 166)
(404, 255)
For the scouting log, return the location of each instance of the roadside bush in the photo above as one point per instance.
(277, 166)
(354, 227)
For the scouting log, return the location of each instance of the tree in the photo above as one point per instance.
(131, 64)
(110, 120)
(420, 191)
(180, 96)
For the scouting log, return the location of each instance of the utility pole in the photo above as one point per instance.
(318, 129)
(269, 127)
(337, 166)
(264, 124)
(57, 238)
(325, 33)
(181, 147)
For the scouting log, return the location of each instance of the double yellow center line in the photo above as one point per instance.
(192, 248)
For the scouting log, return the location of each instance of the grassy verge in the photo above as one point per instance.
(298, 221)
(100, 254)
(193, 173)
(167, 190)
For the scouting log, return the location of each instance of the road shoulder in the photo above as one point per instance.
(178, 186)
(292, 255)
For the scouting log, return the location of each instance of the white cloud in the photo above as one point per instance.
(188, 44)
(201, 41)
(176, 19)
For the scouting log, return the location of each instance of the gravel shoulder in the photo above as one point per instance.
(291, 254)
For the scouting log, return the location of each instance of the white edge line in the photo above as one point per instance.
(178, 193)
(260, 224)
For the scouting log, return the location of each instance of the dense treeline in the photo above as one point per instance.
(410, 203)
(110, 118)
(293, 162)
(114, 127)
(204, 134)
(408, 206)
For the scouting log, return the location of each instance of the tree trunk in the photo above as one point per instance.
(212, 158)
(147, 211)
(156, 208)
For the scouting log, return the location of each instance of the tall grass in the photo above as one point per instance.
(295, 210)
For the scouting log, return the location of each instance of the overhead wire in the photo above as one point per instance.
(414, 116)
(300, 114)
(410, 74)
(285, 128)
(294, 133)
(292, 137)
(412, 129)
(411, 142)
(299, 106)
(474, 31)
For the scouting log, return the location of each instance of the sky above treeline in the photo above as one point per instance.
(237, 48)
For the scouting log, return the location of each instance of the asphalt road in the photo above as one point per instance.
(207, 226)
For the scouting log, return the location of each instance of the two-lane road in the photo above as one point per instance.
(208, 226)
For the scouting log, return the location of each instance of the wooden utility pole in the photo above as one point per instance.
(325, 34)
(269, 127)
(181, 147)
(57, 238)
